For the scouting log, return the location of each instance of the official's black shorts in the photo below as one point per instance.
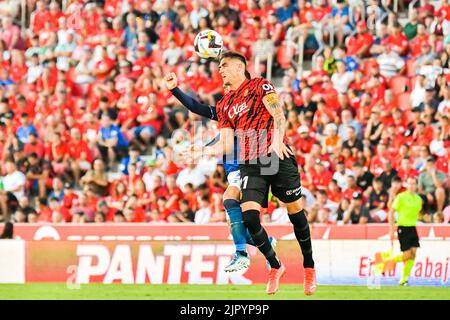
(408, 238)
(281, 175)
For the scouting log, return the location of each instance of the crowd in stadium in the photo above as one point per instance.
(89, 132)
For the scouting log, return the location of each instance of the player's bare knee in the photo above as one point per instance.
(250, 205)
(232, 193)
(294, 207)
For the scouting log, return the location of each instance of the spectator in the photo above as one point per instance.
(173, 54)
(432, 184)
(285, 12)
(82, 205)
(96, 179)
(203, 214)
(388, 174)
(13, 188)
(356, 213)
(377, 202)
(359, 45)
(341, 175)
(119, 217)
(391, 63)
(37, 173)
(20, 216)
(191, 174)
(374, 127)
(342, 78)
(425, 57)
(264, 47)
(25, 129)
(324, 210)
(185, 214)
(57, 190)
(111, 141)
(279, 214)
(133, 157)
(410, 28)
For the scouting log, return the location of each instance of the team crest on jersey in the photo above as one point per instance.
(245, 93)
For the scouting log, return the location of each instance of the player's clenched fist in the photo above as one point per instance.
(171, 81)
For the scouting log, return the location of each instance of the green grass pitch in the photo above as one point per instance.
(211, 292)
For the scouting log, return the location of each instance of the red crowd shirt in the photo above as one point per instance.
(321, 180)
(400, 41)
(357, 42)
(39, 19)
(444, 9)
(321, 12)
(404, 175)
(76, 148)
(348, 193)
(417, 43)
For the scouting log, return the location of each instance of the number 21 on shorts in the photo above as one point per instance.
(244, 182)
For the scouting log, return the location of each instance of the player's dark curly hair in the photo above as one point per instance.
(238, 56)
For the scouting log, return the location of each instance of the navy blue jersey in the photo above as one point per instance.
(230, 162)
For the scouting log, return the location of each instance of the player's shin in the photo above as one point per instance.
(249, 238)
(237, 226)
(260, 238)
(303, 235)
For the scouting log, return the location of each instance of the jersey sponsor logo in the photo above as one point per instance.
(296, 191)
(235, 110)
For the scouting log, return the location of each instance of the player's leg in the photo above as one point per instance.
(254, 192)
(408, 259)
(297, 216)
(409, 242)
(251, 214)
(286, 186)
(238, 229)
(239, 232)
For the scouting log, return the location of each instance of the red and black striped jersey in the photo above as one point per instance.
(243, 110)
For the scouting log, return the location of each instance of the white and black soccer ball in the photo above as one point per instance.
(208, 44)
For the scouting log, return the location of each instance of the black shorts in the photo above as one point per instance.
(408, 238)
(281, 175)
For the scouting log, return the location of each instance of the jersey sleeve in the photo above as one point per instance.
(266, 88)
(224, 122)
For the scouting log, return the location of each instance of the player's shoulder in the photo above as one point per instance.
(402, 194)
(262, 84)
(258, 80)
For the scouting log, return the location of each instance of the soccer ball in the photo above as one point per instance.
(208, 44)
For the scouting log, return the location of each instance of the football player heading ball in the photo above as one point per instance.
(252, 111)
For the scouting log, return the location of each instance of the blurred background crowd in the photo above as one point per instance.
(89, 133)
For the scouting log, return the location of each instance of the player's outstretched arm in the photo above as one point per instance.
(273, 105)
(391, 219)
(190, 103)
(225, 145)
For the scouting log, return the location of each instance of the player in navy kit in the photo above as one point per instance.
(252, 111)
(231, 197)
